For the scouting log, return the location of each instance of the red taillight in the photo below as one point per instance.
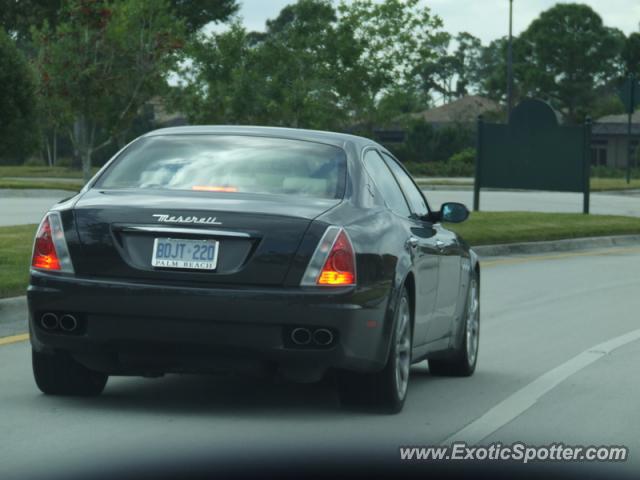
(339, 269)
(44, 250)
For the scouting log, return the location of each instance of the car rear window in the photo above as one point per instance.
(228, 163)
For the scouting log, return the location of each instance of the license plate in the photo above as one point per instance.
(186, 254)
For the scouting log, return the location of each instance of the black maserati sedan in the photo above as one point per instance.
(275, 251)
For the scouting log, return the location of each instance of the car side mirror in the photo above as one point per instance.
(453, 212)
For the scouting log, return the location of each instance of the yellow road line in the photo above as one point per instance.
(535, 258)
(14, 339)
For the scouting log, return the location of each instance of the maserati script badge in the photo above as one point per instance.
(180, 219)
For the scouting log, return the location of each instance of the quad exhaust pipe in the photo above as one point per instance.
(51, 321)
(303, 336)
(323, 337)
(68, 323)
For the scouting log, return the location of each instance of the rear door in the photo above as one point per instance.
(419, 241)
(426, 252)
(446, 251)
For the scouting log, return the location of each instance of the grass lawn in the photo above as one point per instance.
(487, 228)
(482, 228)
(15, 256)
(40, 184)
(43, 171)
(599, 184)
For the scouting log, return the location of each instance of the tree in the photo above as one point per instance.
(221, 82)
(631, 54)
(17, 106)
(313, 67)
(197, 14)
(565, 55)
(17, 17)
(452, 75)
(384, 45)
(103, 61)
(300, 60)
(492, 70)
(284, 76)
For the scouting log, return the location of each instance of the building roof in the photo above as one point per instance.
(611, 125)
(621, 118)
(463, 110)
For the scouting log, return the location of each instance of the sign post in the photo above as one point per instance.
(478, 182)
(630, 96)
(586, 166)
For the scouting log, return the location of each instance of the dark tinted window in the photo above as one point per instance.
(225, 163)
(416, 200)
(387, 185)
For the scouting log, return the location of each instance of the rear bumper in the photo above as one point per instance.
(136, 328)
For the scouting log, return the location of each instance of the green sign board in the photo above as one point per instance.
(533, 152)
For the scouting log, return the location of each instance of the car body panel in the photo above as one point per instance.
(251, 304)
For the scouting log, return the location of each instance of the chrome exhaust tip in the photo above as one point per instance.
(68, 323)
(301, 336)
(323, 337)
(49, 321)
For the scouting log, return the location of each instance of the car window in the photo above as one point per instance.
(386, 184)
(415, 197)
(230, 163)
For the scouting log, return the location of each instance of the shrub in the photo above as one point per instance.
(18, 137)
(613, 172)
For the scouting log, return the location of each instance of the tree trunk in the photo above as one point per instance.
(54, 159)
(83, 141)
(46, 141)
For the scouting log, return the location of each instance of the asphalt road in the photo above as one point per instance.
(19, 207)
(22, 207)
(535, 201)
(548, 372)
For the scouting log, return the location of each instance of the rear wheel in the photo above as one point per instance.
(463, 361)
(59, 374)
(387, 389)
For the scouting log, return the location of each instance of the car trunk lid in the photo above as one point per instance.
(258, 234)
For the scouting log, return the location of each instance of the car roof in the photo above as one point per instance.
(332, 138)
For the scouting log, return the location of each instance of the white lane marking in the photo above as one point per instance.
(520, 401)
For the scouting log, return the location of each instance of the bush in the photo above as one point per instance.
(461, 164)
(66, 162)
(18, 137)
(465, 157)
(34, 161)
(613, 172)
(428, 143)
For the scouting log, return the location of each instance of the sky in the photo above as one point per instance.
(486, 19)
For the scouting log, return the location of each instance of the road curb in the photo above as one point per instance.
(12, 302)
(567, 245)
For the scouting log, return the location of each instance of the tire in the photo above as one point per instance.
(463, 361)
(59, 374)
(385, 390)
